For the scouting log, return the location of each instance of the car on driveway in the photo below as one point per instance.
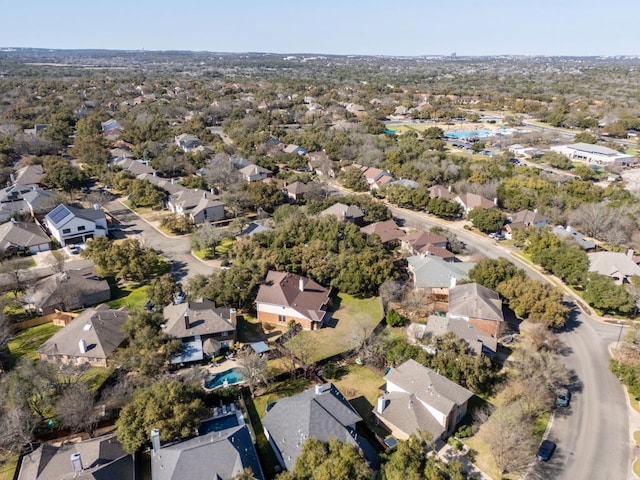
(547, 447)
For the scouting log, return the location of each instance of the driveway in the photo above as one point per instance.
(593, 435)
(177, 249)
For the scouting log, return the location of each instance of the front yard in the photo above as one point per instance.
(354, 320)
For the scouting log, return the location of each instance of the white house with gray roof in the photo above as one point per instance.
(69, 225)
(418, 399)
(594, 154)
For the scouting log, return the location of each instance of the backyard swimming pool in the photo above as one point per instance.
(218, 424)
(232, 376)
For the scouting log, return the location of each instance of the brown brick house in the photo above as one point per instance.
(286, 296)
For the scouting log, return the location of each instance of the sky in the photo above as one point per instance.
(357, 27)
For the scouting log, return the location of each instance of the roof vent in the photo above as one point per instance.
(76, 464)
(82, 345)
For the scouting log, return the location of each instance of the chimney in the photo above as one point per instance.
(204, 194)
(322, 387)
(96, 206)
(382, 404)
(449, 188)
(495, 201)
(630, 253)
(186, 320)
(155, 440)
(82, 345)
(13, 220)
(301, 284)
(76, 463)
(453, 282)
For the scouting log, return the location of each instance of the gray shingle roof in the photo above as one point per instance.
(204, 319)
(341, 211)
(475, 337)
(387, 230)
(22, 235)
(100, 328)
(569, 232)
(431, 271)
(613, 264)
(475, 301)
(428, 386)
(102, 458)
(216, 455)
(309, 414)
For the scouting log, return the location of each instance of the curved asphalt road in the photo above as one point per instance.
(593, 434)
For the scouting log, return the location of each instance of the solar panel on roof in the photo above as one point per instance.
(58, 214)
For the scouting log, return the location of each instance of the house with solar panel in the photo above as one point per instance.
(71, 225)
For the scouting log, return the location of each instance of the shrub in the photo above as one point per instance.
(394, 319)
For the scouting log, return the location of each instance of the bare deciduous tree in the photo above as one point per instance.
(76, 408)
(17, 424)
(254, 367)
(56, 261)
(509, 434)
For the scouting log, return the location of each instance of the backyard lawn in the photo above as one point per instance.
(132, 296)
(25, 343)
(353, 319)
(8, 468)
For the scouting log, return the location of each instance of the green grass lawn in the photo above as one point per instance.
(224, 246)
(8, 467)
(636, 467)
(94, 377)
(636, 437)
(132, 296)
(25, 343)
(349, 322)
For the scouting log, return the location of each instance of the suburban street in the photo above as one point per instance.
(176, 249)
(593, 434)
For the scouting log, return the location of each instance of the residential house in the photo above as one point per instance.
(216, 455)
(285, 297)
(356, 109)
(420, 242)
(376, 178)
(69, 290)
(349, 213)
(37, 128)
(22, 237)
(12, 202)
(202, 328)
(111, 124)
(479, 306)
(524, 219)
(89, 339)
(321, 164)
(387, 231)
(479, 342)
(438, 191)
(569, 232)
(618, 266)
(197, 205)
(296, 191)
(436, 275)
(291, 148)
(70, 225)
(469, 201)
(98, 458)
(39, 202)
(252, 229)
(321, 412)
(29, 175)
(254, 173)
(417, 399)
(187, 142)
(133, 166)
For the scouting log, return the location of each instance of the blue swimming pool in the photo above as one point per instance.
(232, 376)
(218, 424)
(468, 134)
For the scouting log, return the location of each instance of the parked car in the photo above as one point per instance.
(563, 398)
(547, 447)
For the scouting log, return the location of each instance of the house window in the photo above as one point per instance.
(281, 318)
(66, 230)
(82, 228)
